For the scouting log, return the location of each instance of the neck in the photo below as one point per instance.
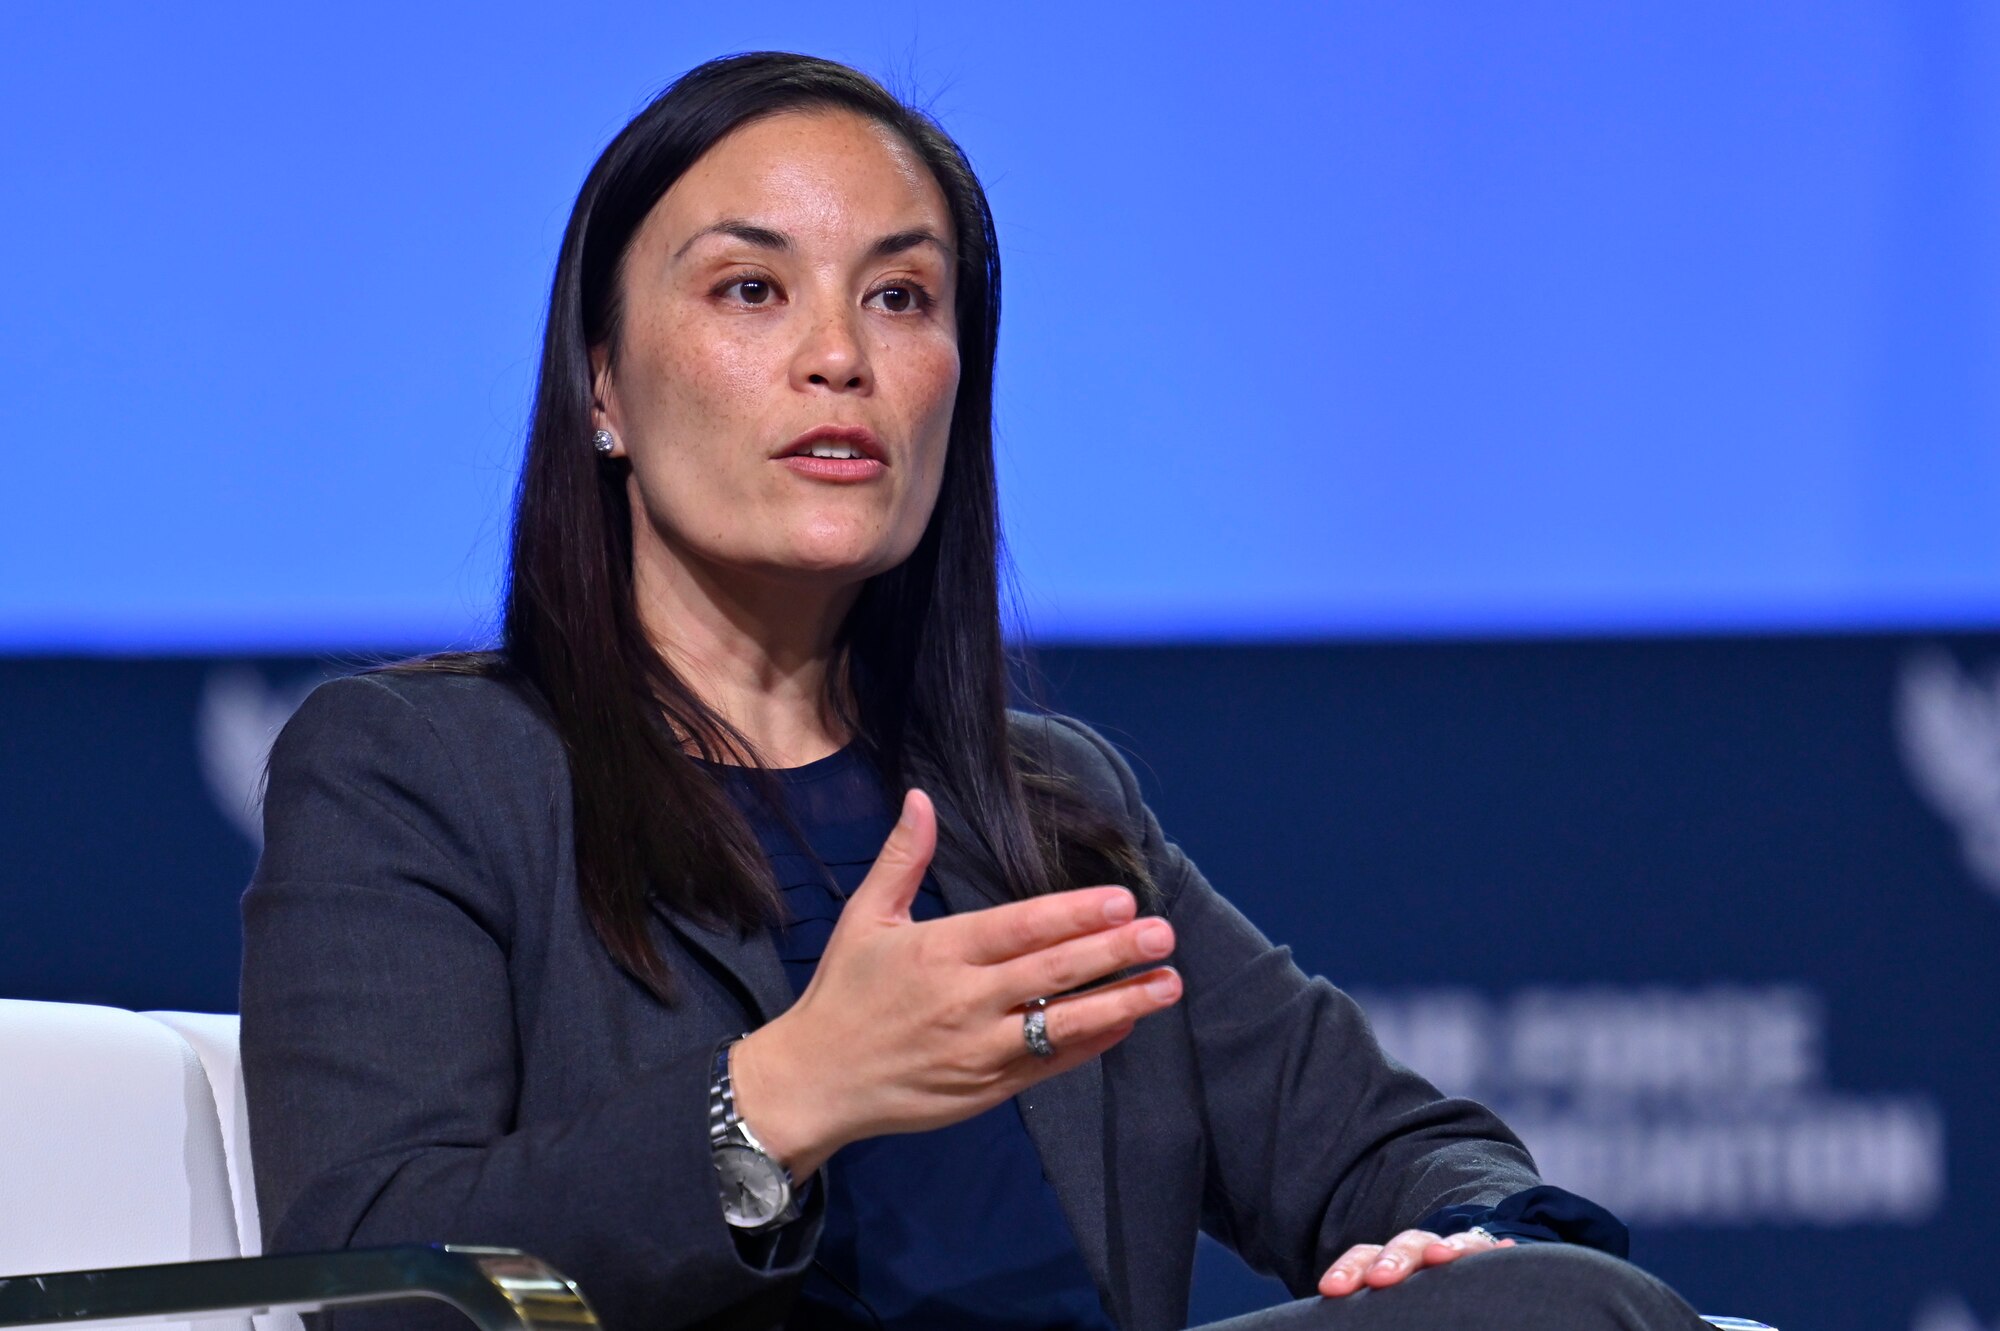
(757, 650)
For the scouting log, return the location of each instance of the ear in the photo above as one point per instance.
(600, 389)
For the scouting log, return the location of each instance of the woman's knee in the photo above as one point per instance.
(1533, 1287)
(1568, 1286)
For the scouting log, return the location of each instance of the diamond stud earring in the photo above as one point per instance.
(603, 443)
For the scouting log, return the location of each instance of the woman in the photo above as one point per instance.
(745, 764)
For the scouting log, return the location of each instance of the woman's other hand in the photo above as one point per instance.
(908, 1025)
(1378, 1265)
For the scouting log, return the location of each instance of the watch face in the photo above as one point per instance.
(753, 1187)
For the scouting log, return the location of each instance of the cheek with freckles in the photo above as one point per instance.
(694, 416)
(709, 388)
(930, 424)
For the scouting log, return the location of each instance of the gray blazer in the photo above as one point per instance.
(436, 1047)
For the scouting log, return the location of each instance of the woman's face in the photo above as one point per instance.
(797, 278)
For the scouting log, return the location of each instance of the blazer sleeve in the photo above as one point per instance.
(1315, 1138)
(380, 1054)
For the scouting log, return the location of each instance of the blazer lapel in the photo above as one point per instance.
(748, 960)
(1064, 1115)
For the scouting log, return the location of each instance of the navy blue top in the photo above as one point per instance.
(955, 1227)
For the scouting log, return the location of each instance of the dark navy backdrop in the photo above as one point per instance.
(1714, 920)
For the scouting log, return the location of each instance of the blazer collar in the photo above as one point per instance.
(746, 960)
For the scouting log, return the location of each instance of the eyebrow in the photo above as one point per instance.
(764, 238)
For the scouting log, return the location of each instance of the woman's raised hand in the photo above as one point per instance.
(908, 1026)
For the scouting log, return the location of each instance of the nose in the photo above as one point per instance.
(831, 355)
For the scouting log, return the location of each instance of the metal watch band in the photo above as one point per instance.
(723, 1120)
(721, 1096)
(726, 1129)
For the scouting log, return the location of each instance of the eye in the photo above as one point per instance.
(903, 298)
(750, 290)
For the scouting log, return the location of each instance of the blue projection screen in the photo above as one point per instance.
(1320, 319)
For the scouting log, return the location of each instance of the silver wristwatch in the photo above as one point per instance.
(757, 1191)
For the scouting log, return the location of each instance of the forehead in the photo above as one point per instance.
(826, 175)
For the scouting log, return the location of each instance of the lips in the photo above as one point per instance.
(858, 437)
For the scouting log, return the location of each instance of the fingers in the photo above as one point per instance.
(1344, 1276)
(1455, 1247)
(1399, 1256)
(1031, 1070)
(1002, 933)
(1078, 961)
(1379, 1265)
(891, 885)
(1084, 1020)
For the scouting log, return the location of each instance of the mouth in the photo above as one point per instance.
(838, 443)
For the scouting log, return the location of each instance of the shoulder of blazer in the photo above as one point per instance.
(474, 743)
(491, 727)
(471, 715)
(446, 785)
(1069, 748)
(477, 716)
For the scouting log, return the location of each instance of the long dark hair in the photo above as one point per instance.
(922, 675)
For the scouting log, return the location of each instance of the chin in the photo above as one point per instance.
(847, 556)
(842, 569)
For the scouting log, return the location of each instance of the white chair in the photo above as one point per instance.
(127, 1175)
(213, 1038)
(114, 1147)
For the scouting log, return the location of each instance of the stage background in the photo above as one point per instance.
(1544, 459)
(1321, 319)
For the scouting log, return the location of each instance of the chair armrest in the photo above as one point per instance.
(500, 1289)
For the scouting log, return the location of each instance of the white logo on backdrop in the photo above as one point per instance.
(1679, 1106)
(1948, 722)
(238, 718)
(1948, 1312)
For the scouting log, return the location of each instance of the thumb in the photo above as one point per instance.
(890, 887)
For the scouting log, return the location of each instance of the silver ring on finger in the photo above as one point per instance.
(1484, 1233)
(1035, 1029)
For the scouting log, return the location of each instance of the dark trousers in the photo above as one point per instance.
(1535, 1287)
